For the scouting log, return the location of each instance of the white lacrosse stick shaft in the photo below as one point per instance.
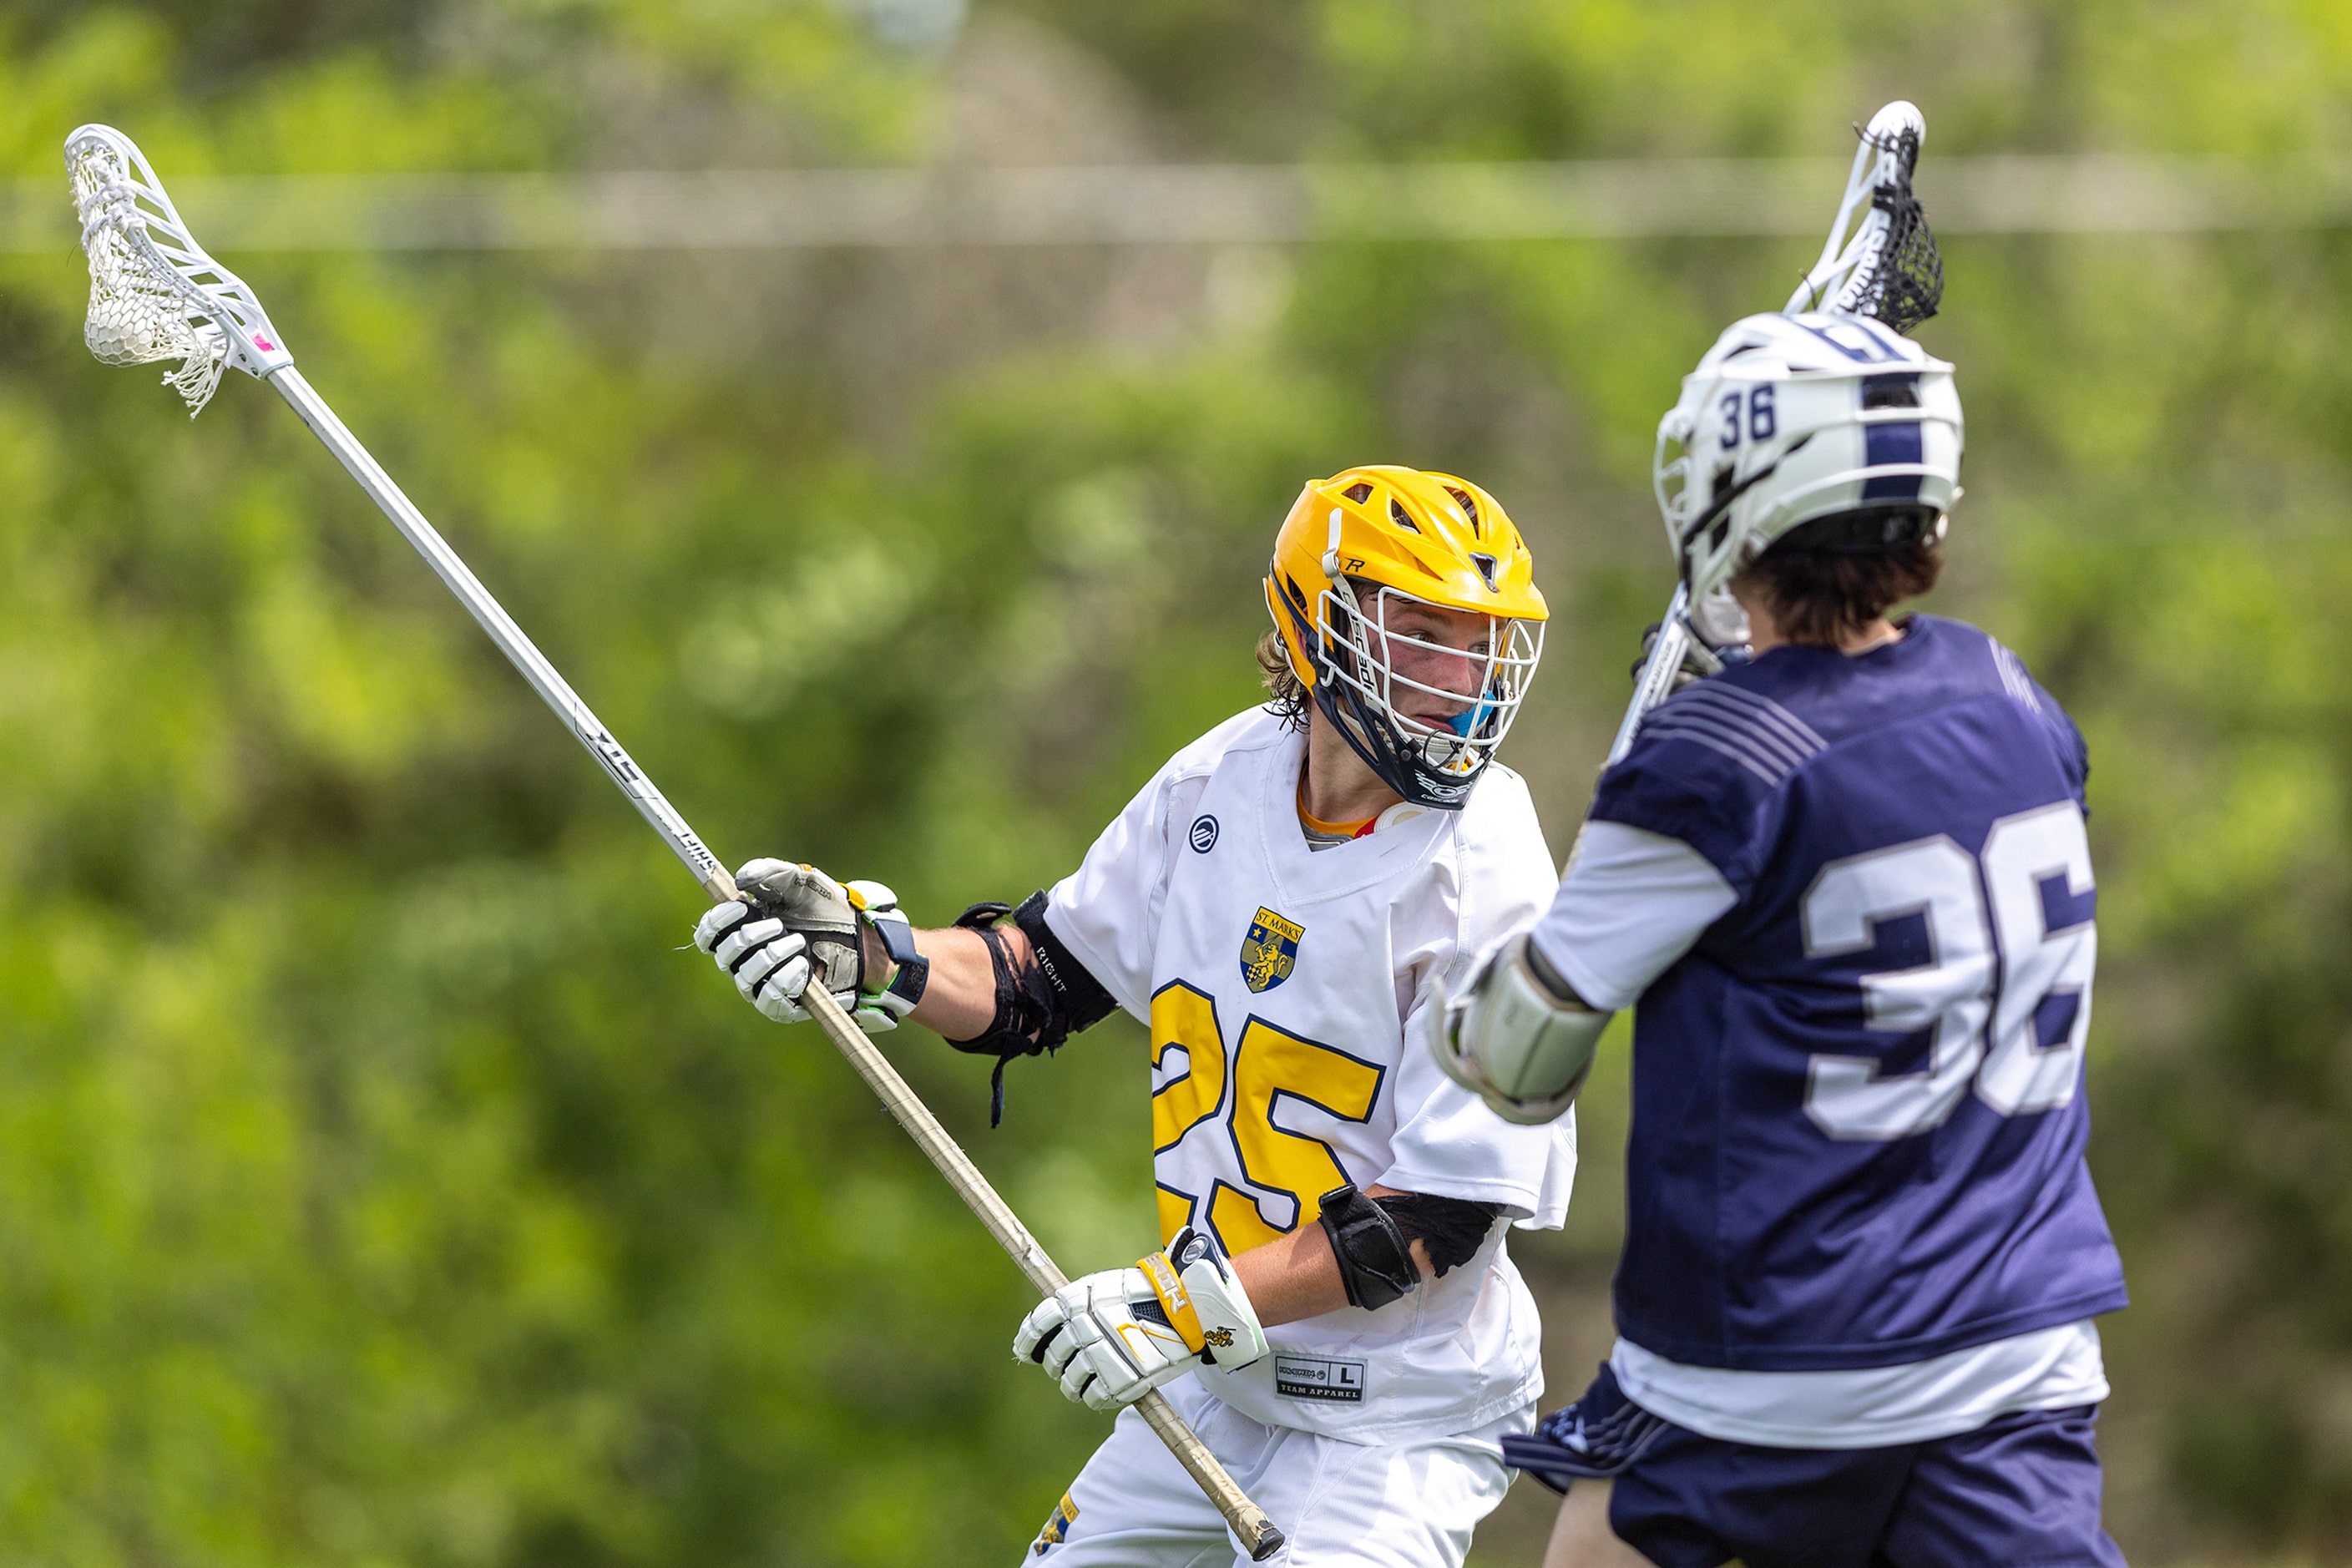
(544, 678)
(1247, 1521)
(1656, 680)
(196, 277)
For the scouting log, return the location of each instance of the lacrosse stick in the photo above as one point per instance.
(155, 294)
(1887, 268)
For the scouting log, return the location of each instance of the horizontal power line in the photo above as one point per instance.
(1198, 203)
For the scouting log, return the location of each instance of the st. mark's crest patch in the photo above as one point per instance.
(1270, 951)
(1065, 1514)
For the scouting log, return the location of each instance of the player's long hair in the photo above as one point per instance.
(1288, 693)
(1819, 596)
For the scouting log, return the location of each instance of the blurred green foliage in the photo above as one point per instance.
(378, 1181)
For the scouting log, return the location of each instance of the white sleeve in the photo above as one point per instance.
(1106, 912)
(1454, 1147)
(1447, 1143)
(1632, 904)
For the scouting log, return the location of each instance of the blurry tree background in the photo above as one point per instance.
(379, 1182)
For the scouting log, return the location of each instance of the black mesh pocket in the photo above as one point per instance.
(1906, 277)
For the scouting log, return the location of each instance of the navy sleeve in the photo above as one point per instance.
(2073, 755)
(2074, 752)
(1684, 789)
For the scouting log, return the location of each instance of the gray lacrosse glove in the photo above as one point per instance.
(794, 924)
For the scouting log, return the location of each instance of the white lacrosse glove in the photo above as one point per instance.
(794, 922)
(1110, 1338)
(1518, 1037)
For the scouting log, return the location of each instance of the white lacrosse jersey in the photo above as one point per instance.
(1286, 992)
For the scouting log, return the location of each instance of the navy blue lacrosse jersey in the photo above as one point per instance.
(1858, 1116)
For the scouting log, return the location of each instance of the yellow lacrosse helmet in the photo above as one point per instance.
(1354, 547)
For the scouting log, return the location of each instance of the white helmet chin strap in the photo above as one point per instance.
(1719, 620)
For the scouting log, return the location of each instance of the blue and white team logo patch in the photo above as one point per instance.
(1270, 951)
(1204, 834)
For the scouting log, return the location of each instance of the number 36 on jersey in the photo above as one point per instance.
(2005, 994)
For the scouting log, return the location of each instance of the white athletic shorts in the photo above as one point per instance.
(1390, 1505)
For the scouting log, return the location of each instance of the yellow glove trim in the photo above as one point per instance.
(1174, 1299)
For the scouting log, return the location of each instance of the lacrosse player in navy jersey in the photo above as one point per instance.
(1846, 887)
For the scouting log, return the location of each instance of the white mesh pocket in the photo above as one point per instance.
(154, 295)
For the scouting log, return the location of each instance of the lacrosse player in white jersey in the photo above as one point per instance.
(1334, 1310)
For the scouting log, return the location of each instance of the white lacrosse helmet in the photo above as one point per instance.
(1820, 418)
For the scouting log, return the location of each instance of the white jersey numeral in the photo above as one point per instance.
(1937, 878)
(2041, 965)
(1995, 964)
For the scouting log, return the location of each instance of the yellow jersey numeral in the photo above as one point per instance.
(1269, 1065)
(1186, 1019)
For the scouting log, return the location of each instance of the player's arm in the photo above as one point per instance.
(998, 983)
(1110, 1337)
(1519, 1034)
(1523, 1032)
(1370, 1248)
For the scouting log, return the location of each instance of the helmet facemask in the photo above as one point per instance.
(1399, 723)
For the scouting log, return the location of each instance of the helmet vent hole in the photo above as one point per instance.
(1900, 391)
(1469, 506)
(1398, 515)
(1360, 492)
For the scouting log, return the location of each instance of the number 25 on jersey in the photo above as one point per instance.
(1269, 1065)
(2005, 994)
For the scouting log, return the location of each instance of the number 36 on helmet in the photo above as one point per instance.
(1828, 430)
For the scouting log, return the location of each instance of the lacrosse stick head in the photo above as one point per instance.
(1825, 424)
(1887, 267)
(155, 294)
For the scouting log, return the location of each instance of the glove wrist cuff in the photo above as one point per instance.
(910, 972)
(1204, 1301)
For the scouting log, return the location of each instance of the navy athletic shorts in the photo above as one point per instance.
(2021, 1490)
